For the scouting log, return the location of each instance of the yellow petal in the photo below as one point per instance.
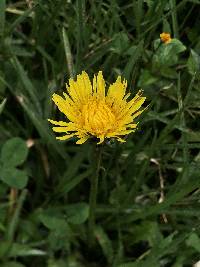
(131, 107)
(64, 107)
(81, 89)
(125, 132)
(68, 99)
(87, 86)
(132, 125)
(100, 85)
(121, 140)
(137, 105)
(65, 137)
(138, 95)
(94, 86)
(60, 123)
(59, 129)
(74, 91)
(117, 90)
(126, 96)
(138, 113)
(82, 140)
(101, 137)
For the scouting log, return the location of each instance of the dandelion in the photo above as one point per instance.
(165, 37)
(91, 112)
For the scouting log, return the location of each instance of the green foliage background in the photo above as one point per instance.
(44, 187)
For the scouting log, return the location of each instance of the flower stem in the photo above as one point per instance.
(93, 193)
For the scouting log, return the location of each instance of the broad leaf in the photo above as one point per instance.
(14, 152)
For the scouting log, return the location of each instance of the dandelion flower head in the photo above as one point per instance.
(165, 37)
(92, 112)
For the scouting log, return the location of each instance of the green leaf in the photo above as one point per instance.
(59, 239)
(193, 241)
(59, 230)
(2, 227)
(168, 72)
(25, 250)
(27, 84)
(148, 231)
(5, 247)
(2, 84)
(118, 194)
(133, 60)
(146, 78)
(120, 43)
(21, 51)
(167, 54)
(105, 243)
(58, 263)
(14, 220)
(68, 53)
(156, 44)
(20, 19)
(193, 63)
(64, 188)
(2, 16)
(16, 249)
(14, 177)
(2, 105)
(14, 152)
(77, 213)
(12, 264)
(98, 55)
(53, 220)
(130, 264)
(43, 129)
(177, 46)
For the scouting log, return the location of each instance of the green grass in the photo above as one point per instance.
(44, 188)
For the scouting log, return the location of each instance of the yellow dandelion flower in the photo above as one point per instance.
(165, 37)
(91, 112)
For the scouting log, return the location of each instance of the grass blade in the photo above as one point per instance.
(68, 53)
(2, 16)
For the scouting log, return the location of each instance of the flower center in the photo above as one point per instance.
(97, 118)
